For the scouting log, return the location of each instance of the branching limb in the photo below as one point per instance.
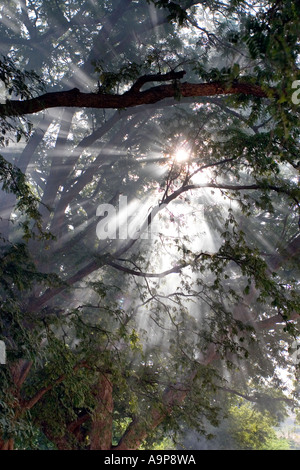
(256, 398)
(77, 99)
(39, 395)
(159, 77)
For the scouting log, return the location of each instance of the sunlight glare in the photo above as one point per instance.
(181, 155)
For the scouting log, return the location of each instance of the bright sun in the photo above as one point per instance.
(181, 154)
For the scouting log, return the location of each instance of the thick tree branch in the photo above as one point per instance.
(136, 87)
(272, 322)
(20, 371)
(74, 98)
(137, 431)
(227, 187)
(256, 398)
(39, 395)
(290, 252)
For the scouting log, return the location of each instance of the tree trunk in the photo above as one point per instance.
(19, 372)
(101, 428)
(7, 445)
(138, 429)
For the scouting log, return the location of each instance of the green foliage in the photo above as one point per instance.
(228, 75)
(112, 81)
(20, 330)
(27, 206)
(177, 10)
(17, 84)
(35, 441)
(252, 430)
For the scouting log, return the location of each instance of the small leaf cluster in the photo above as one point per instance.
(112, 81)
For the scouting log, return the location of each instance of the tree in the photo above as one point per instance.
(103, 349)
(244, 428)
(254, 431)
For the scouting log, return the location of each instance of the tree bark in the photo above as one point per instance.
(19, 372)
(102, 420)
(74, 98)
(139, 429)
(7, 445)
